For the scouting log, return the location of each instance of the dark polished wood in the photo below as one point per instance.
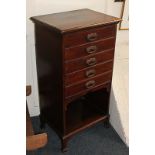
(92, 60)
(89, 48)
(33, 141)
(86, 85)
(75, 20)
(88, 72)
(69, 100)
(74, 56)
(88, 36)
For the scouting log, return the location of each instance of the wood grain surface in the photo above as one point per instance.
(74, 20)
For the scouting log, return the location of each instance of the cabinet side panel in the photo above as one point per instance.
(49, 71)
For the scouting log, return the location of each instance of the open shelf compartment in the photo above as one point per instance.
(87, 110)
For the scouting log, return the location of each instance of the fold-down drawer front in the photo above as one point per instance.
(88, 73)
(90, 48)
(87, 85)
(90, 35)
(92, 60)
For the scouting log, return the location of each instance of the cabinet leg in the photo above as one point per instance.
(64, 145)
(42, 122)
(107, 123)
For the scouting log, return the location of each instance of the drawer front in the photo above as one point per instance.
(78, 64)
(88, 73)
(87, 85)
(90, 35)
(88, 49)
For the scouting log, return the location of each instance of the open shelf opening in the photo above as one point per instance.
(87, 110)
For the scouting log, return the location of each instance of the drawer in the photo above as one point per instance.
(89, 35)
(87, 85)
(88, 73)
(90, 48)
(92, 60)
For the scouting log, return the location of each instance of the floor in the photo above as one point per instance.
(96, 140)
(119, 105)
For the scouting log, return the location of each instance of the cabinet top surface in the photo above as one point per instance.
(73, 20)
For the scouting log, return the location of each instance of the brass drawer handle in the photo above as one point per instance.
(92, 36)
(91, 49)
(90, 73)
(91, 61)
(90, 84)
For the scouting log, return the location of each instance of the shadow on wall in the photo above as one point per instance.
(115, 118)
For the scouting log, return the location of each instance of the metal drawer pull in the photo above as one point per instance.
(90, 84)
(90, 73)
(91, 61)
(91, 49)
(92, 36)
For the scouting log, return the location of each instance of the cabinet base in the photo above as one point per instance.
(64, 142)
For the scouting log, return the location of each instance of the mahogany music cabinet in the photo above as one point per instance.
(74, 56)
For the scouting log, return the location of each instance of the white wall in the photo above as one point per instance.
(39, 7)
(119, 96)
(113, 8)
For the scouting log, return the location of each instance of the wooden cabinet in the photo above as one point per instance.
(74, 56)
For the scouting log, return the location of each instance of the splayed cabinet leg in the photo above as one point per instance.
(42, 122)
(107, 122)
(64, 143)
